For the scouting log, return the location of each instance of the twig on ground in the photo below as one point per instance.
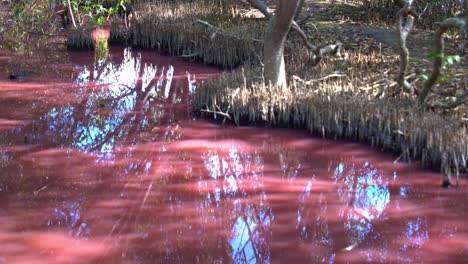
(220, 31)
(216, 112)
(333, 75)
(191, 55)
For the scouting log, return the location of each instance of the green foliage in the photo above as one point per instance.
(25, 25)
(449, 60)
(452, 59)
(94, 12)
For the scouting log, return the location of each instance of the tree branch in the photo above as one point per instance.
(262, 7)
(71, 13)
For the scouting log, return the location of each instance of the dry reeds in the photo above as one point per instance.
(80, 39)
(169, 28)
(339, 109)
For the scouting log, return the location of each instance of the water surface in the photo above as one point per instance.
(102, 162)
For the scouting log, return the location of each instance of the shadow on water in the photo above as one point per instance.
(109, 166)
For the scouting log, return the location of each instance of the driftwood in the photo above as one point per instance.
(333, 75)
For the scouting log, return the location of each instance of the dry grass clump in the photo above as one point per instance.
(80, 39)
(171, 29)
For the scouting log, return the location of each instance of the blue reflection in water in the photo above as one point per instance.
(364, 190)
(416, 233)
(69, 216)
(250, 236)
(109, 99)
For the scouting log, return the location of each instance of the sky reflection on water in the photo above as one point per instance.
(113, 168)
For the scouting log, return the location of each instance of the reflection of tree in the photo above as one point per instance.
(69, 216)
(364, 190)
(415, 230)
(237, 177)
(364, 194)
(312, 222)
(113, 102)
(290, 164)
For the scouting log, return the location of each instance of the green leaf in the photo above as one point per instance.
(424, 77)
(17, 10)
(453, 58)
(101, 21)
(123, 6)
(450, 60)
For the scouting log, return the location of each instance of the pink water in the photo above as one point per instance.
(104, 163)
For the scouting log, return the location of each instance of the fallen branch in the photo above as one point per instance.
(303, 36)
(333, 75)
(220, 31)
(191, 55)
(305, 20)
(216, 112)
(71, 14)
(40, 190)
(332, 49)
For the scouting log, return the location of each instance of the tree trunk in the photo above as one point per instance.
(278, 28)
(299, 9)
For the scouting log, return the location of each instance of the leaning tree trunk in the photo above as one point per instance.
(405, 25)
(278, 28)
(439, 55)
